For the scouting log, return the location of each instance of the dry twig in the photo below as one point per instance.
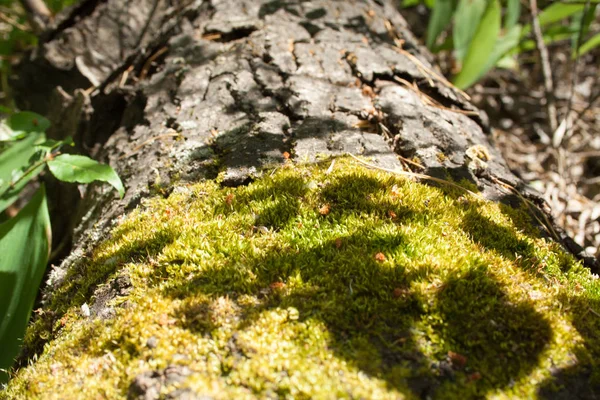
(12, 22)
(428, 100)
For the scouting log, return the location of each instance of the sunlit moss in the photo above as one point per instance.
(308, 284)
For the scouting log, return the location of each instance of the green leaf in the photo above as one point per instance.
(51, 145)
(441, 16)
(558, 11)
(590, 44)
(12, 193)
(24, 248)
(482, 46)
(75, 168)
(503, 45)
(19, 164)
(27, 122)
(508, 62)
(589, 17)
(581, 23)
(16, 158)
(19, 125)
(550, 35)
(554, 13)
(466, 23)
(513, 12)
(7, 134)
(5, 110)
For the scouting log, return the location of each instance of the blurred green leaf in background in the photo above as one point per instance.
(483, 34)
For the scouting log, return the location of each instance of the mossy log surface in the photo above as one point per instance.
(250, 258)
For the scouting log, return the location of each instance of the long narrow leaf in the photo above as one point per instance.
(581, 23)
(513, 12)
(503, 45)
(558, 11)
(466, 22)
(553, 34)
(16, 158)
(441, 15)
(554, 13)
(590, 44)
(481, 47)
(13, 192)
(24, 247)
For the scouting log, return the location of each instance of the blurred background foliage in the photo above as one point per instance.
(482, 34)
(16, 36)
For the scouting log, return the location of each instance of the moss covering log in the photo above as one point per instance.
(315, 282)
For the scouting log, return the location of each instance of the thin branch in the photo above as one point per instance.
(13, 22)
(430, 101)
(33, 167)
(546, 71)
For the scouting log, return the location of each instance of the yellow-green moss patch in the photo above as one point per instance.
(308, 284)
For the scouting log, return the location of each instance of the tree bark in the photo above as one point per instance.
(180, 91)
(241, 84)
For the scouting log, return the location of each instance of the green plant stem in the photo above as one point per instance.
(39, 163)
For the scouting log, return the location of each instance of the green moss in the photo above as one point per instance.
(306, 284)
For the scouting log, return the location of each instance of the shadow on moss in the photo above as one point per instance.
(358, 273)
(503, 340)
(80, 284)
(369, 304)
(581, 380)
(284, 201)
(498, 238)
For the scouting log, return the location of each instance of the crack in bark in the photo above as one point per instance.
(233, 35)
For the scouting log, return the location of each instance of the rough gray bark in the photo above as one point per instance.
(179, 90)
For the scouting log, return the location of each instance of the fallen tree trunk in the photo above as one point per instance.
(273, 279)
